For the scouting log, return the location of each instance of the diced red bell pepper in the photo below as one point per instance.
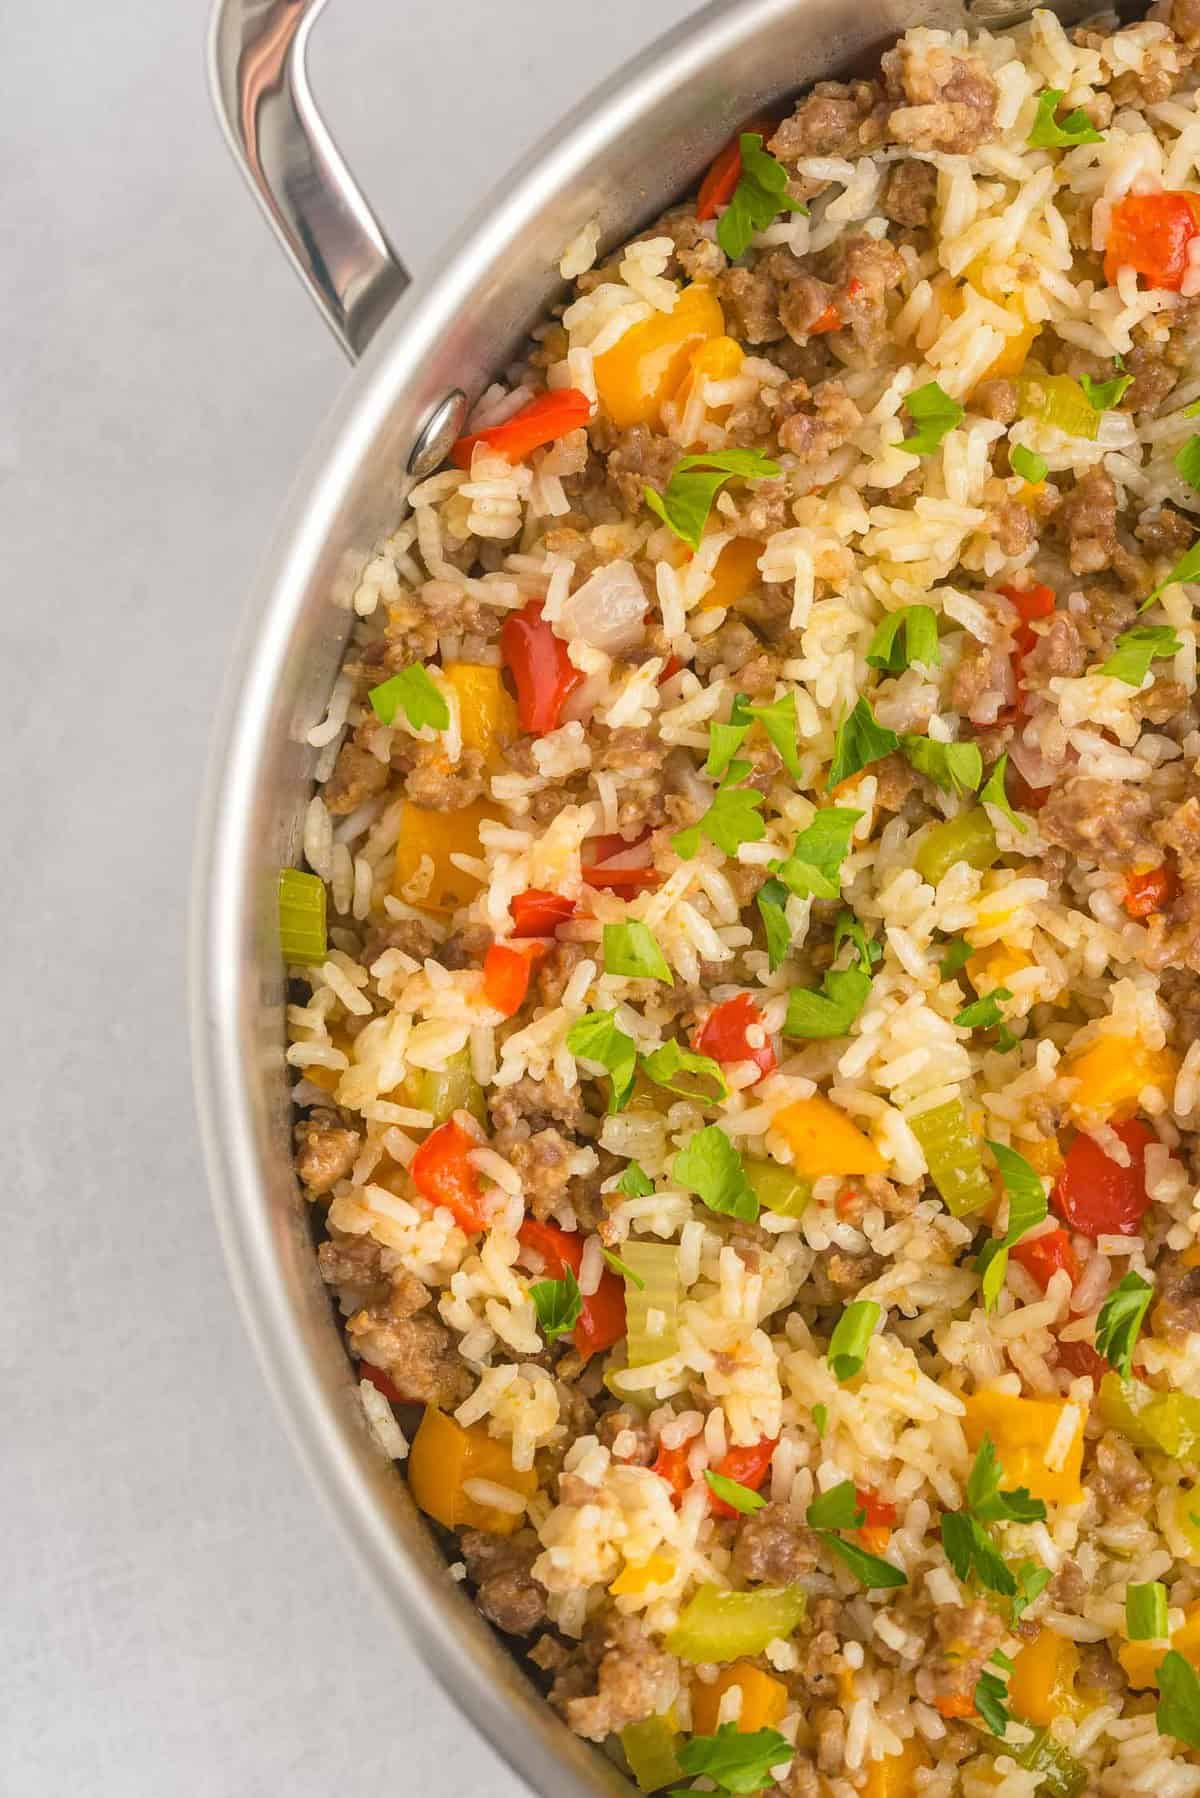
(722, 1036)
(1081, 1358)
(619, 879)
(1095, 1195)
(1045, 1255)
(674, 664)
(671, 1465)
(1151, 233)
(539, 914)
(1025, 797)
(749, 1466)
(725, 171)
(545, 419)
(879, 1519)
(381, 1382)
(544, 675)
(829, 320)
(506, 970)
(443, 1174)
(601, 1322)
(1030, 602)
(1149, 891)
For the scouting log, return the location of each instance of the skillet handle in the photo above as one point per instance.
(256, 52)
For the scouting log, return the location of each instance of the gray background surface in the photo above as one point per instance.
(178, 1613)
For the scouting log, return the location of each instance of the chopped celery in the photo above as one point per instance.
(952, 1155)
(1062, 1775)
(640, 1397)
(1168, 1422)
(722, 1626)
(301, 916)
(1056, 400)
(449, 1089)
(967, 838)
(650, 1750)
(777, 1188)
(651, 1310)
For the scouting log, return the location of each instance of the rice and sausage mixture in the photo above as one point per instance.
(749, 1090)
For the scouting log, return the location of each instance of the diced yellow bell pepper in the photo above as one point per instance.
(991, 967)
(735, 573)
(717, 360)
(824, 1141)
(1041, 1686)
(647, 364)
(445, 1457)
(1042, 1153)
(636, 1576)
(764, 1700)
(1141, 1660)
(486, 709)
(1112, 1072)
(892, 1777)
(438, 836)
(1021, 1429)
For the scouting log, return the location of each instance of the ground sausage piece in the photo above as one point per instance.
(418, 1354)
(697, 256)
(357, 776)
(541, 1161)
(866, 270)
(1121, 1486)
(1110, 610)
(801, 1779)
(1185, 22)
(1087, 518)
(439, 785)
(966, 1637)
(750, 299)
(1153, 379)
(1099, 1671)
(634, 1679)
(849, 1273)
(629, 1424)
(1177, 1310)
(554, 971)
(507, 1593)
(636, 757)
(410, 935)
(1102, 821)
(354, 1264)
(996, 399)
(802, 301)
(820, 1652)
(835, 119)
(1013, 527)
(980, 683)
(640, 456)
(951, 98)
(895, 779)
(812, 436)
(909, 195)
(1059, 650)
(772, 1546)
(1179, 990)
(536, 1104)
(325, 1150)
(1165, 532)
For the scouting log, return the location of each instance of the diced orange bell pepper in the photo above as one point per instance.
(433, 837)
(442, 1173)
(1149, 891)
(764, 1700)
(647, 364)
(1021, 1429)
(445, 1457)
(487, 711)
(989, 968)
(824, 1141)
(892, 1777)
(736, 571)
(1141, 1660)
(1041, 1686)
(1152, 233)
(1111, 1073)
(636, 1576)
(717, 360)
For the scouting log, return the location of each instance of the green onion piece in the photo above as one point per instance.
(301, 916)
(968, 838)
(953, 1156)
(1146, 1612)
(1056, 400)
(851, 1336)
(716, 1625)
(1062, 1775)
(777, 1188)
(733, 1493)
(656, 1266)
(650, 1748)
(452, 1088)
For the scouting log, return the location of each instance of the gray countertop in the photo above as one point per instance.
(179, 1615)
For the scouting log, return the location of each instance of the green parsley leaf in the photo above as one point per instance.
(1186, 569)
(820, 1417)
(851, 1336)
(664, 1066)
(724, 741)
(1178, 1712)
(1187, 463)
(903, 637)
(831, 1011)
(595, 1037)
(771, 898)
(734, 1760)
(711, 1167)
(1026, 1209)
(635, 1182)
(778, 719)
(733, 1493)
(1028, 464)
(985, 1013)
(817, 855)
(558, 1304)
(837, 1509)
(858, 742)
(990, 1694)
(954, 767)
(412, 691)
(1191, 411)
(993, 793)
(1121, 1317)
(630, 949)
(1005, 1040)
(623, 1268)
(1135, 649)
(957, 954)
(1146, 1612)
(731, 819)
(849, 930)
(1102, 396)
(986, 1501)
(870, 1570)
(971, 1552)
(758, 199)
(1049, 134)
(696, 480)
(934, 413)
(1032, 1580)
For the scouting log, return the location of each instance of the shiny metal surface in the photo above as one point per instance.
(625, 156)
(257, 51)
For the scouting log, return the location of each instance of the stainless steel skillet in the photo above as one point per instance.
(635, 146)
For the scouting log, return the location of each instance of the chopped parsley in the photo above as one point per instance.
(1187, 463)
(771, 899)
(814, 865)
(958, 953)
(993, 793)
(665, 1066)
(1050, 133)
(830, 1011)
(623, 1268)
(1135, 649)
(1120, 1320)
(629, 949)
(1028, 464)
(732, 818)
(991, 1691)
(820, 1417)
(1178, 1712)
(839, 1509)
(969, 1546)
(736, 1761)
(1026, 1209)
(695, 481)
(934, 413)
(858, 742)
(954, 767)
(759, 197)
(596, 1037)
(558, 1304)
(635, 1182)
(903, 637)
(1186, 569)
(985, 1013)
(848, 929)
(413, 692)
(1102, 396)
(711, 1167)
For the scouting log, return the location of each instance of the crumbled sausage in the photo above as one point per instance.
(639, 1447)
(1177, 1308)
(750, 299)
(633, 1679)
(1103, 821)
(541, 1162)
(1119, 1483)
(980, 683)
(1179, 990)
(1110, 610)
(1087, 518)
(811, 436)
(637, 758)
(556, 968)
(1153, 379)
(997, 399)
(774, 1547)
(820, 1652)
(1058, 650)
(895, 779)
(412, 936)
(1099, 1671)
(537, 1104)
(865, 270)
(967, 1636)
(835, 119)
(696, 256)
(357, 776)
(639, 457)
(1185, 22)
(501, 1567)
(440, 785)
(1165, 532)
(325, 1150)
(908, 197)
(951, 98)
(1013, 527)
(418, 1354)
(354, 1265)
(849, 1273)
